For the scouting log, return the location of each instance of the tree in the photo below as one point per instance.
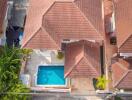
(10, 62)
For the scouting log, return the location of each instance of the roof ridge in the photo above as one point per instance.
(36, 29)
(41, 28)
(49, 33)
(32, 35)
(43, 16)
(47, 12)
(123, 76)
(90, 64)
(75, 64)
(88, 21)
(73, 67)
(51, 37)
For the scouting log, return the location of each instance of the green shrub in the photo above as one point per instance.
(101, 82)
(10, 65)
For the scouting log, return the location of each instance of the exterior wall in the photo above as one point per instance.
(41, 57)
(19, 12)
(3, 9)
(126, 54)
(7, 17)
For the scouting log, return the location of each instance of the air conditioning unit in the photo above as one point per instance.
(126, 55)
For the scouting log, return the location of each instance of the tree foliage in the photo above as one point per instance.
(10, 63)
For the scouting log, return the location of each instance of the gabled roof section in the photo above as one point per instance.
(3, 7)
(123, 18)
(41, 40)
(61, 19)
(122, 74)
(82, 59)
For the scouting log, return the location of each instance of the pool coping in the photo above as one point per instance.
(51, 86)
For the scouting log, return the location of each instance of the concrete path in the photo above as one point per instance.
(66, 98)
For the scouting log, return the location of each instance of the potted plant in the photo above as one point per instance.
(60, 55)
(101, 83)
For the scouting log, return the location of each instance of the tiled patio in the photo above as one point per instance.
(82, 86)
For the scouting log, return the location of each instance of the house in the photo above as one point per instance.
(121, 68)
(82, 31)
(74, 27)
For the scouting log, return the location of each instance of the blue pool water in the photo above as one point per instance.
(50, 75)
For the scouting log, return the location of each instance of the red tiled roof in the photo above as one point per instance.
(123, 18)
(61, 20)
(122, 74)
(82, 59)
(3, 5)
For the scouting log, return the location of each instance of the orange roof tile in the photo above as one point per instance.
(61, 20)
(82, 59)
(3, 6)
(123, 18)
(122, 74)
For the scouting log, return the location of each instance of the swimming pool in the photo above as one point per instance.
(51, 76)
